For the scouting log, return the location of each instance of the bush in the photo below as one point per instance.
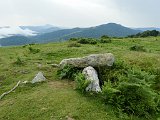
(105, 39)
(129, 90)
(73, 39)
(81, 82)
(156, 81)
(74, 45)
(137, 48)
(137, 99)
(67, 72)
(87, 41)
(19, 61)
(34, 51)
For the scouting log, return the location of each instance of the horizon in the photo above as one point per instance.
(133, 27)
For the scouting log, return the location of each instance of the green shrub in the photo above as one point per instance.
(129, 89)
(74, 45)
(34, 51)
(137, 99)
(73, 39)
(105, 39)
(67, 72)
(156, 81)
(87, 41)
(19, 61)
(81, 82)
(132, 98)
(115, 73)
(137, 48)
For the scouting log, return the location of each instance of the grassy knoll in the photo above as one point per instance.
(57, 99)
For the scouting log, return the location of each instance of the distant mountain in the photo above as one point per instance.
(56, 36)
(111, 29)
(41, 29)
(149, 28)
(15, 40)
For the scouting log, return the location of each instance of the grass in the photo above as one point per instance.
(57, 99)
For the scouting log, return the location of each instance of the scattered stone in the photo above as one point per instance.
(69, 118)
(54, 65)
(25, 82)
(23, 71)
(91, 74)
(39, 78)
(94, 60)
(39, 65)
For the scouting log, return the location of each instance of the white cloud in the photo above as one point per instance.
(9, 31)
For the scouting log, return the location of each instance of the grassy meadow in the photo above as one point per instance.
(57, 99)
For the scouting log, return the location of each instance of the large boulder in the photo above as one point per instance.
(91, 74)
(39, 78)
(94, 60)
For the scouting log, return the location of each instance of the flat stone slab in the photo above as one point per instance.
(94, 60)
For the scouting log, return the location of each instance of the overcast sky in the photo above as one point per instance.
(80, 13)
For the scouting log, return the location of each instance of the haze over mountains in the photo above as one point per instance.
(48, 33)
(41, 29)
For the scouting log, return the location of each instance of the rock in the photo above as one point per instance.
(91, 74)
(39, 65)
(38, 78)
(54, 65)
(25, 82)
(94, 60)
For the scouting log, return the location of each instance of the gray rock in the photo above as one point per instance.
(38, 78)
(91, 74)
(54, 65)
(25, 82)
(93, 60)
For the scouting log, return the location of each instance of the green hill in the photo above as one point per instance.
(15, 40)
(57, 99)
(111, 29)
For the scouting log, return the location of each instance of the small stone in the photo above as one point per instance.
(39, 78)
(54, 65)
(25, 82)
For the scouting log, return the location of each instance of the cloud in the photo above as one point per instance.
(82, 13)
(10, 31)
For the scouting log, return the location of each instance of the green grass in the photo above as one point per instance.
(56, 99)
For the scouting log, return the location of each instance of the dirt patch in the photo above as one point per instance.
(2, 78)
(62, 84)
(7, 102)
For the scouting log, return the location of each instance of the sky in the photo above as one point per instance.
(80, 13)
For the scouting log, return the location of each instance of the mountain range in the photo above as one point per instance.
(49, 33)
(148, 28)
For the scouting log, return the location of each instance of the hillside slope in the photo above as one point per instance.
(57, 99)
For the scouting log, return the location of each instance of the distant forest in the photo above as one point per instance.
(147, 33)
